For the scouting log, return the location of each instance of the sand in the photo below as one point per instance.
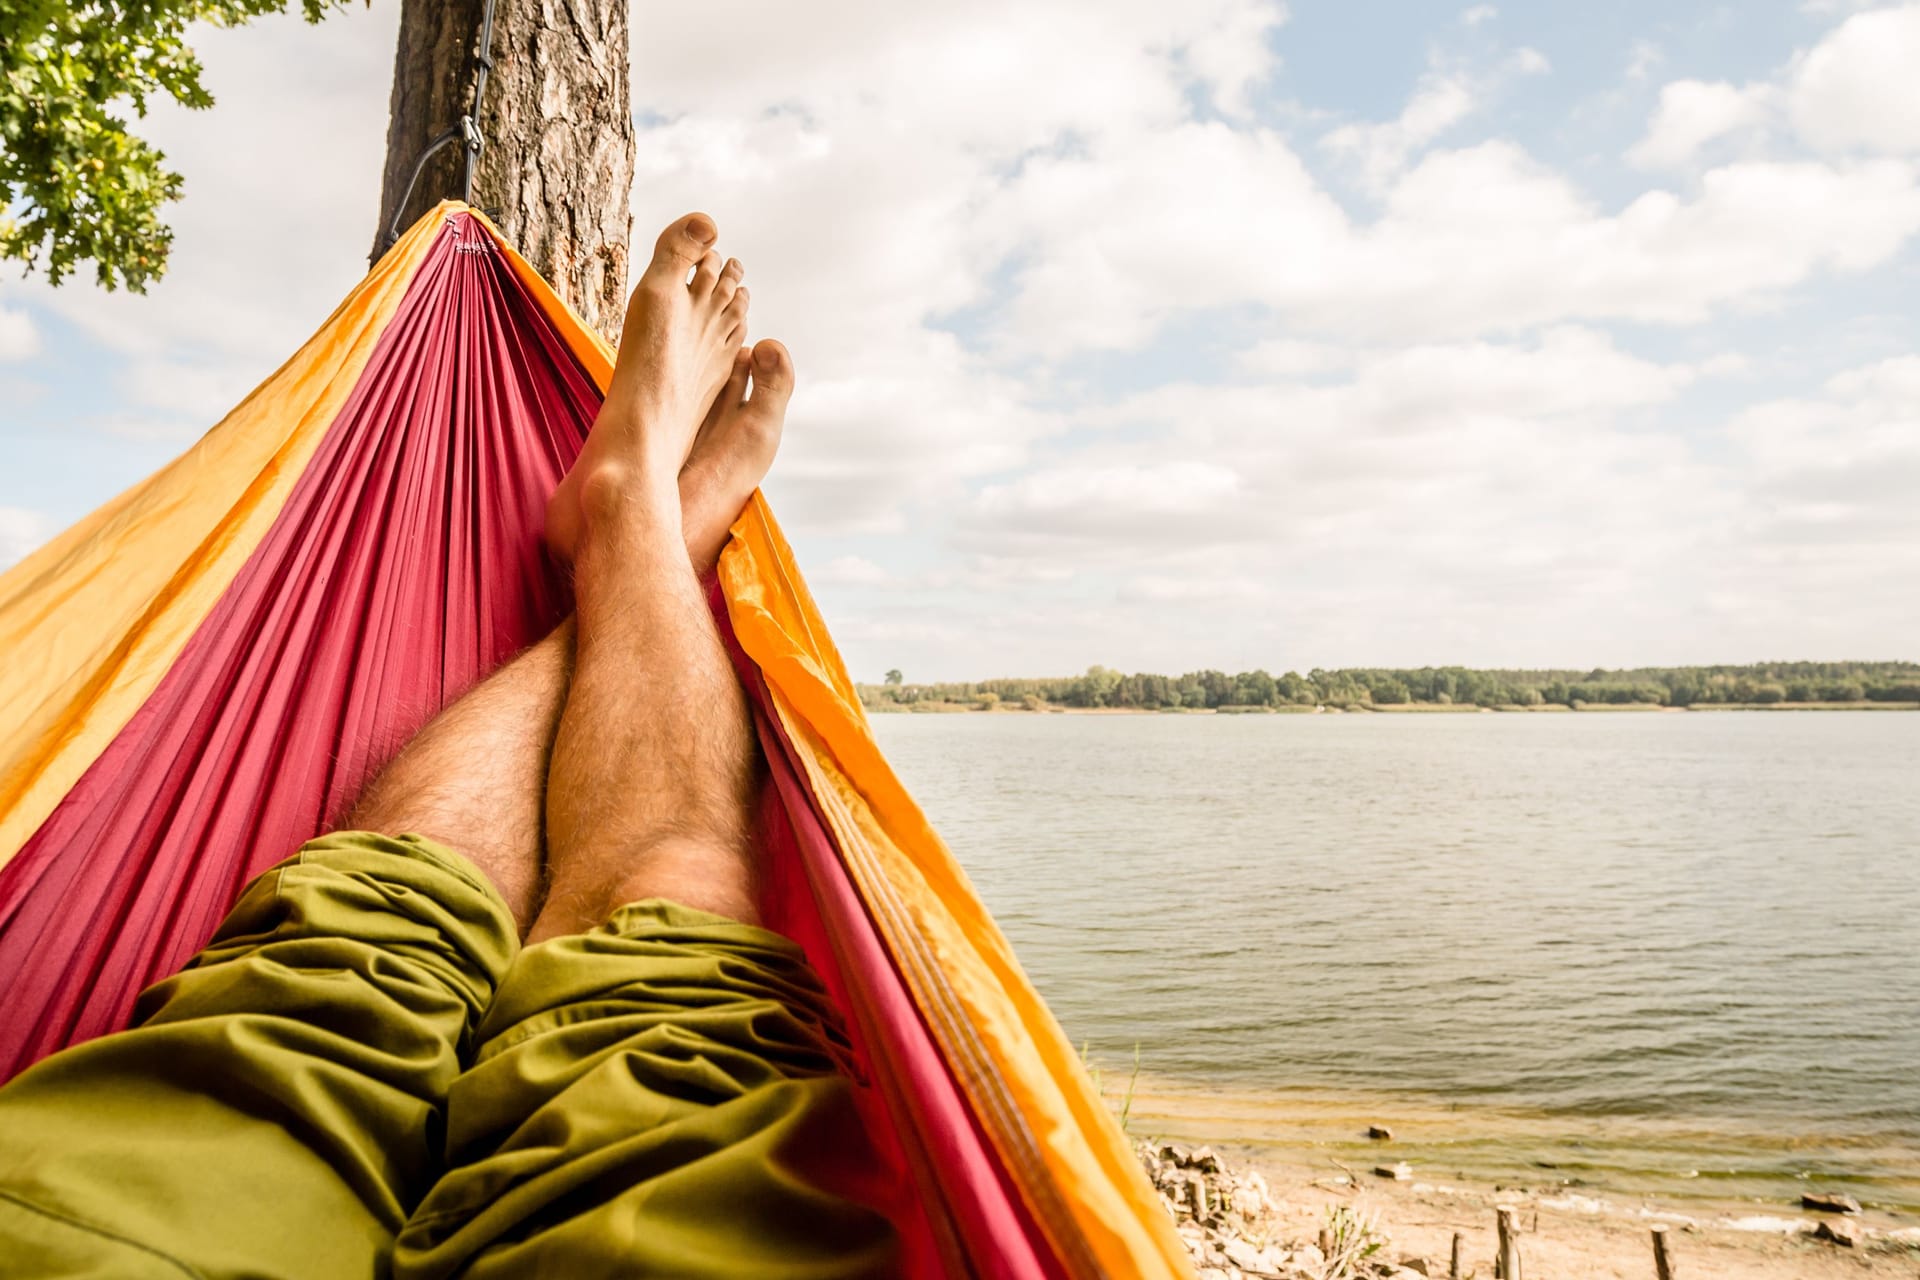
(1571, 1236)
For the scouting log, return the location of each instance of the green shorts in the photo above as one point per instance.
(364, 1074)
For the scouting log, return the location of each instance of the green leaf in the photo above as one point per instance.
(76, 184)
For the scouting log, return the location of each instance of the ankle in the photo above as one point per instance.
(619, 494)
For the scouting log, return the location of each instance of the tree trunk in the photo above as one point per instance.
(557, 165)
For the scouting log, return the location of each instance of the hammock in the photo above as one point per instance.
(202, 671)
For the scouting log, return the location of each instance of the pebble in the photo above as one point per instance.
(1243, 1255)
(1841, 1232)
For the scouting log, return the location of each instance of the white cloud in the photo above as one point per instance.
(1381, 151)
(863, 448)
(1827, 8)
(851, 175)
(19, 336)
(1385, 517)
(146, 430)
(1293, 358)
(1000, 75)
(21, 531)
(1423, 424)
(1565, 371)
(1529, 62)
(1486, 237)
(1445, 97)
(195, 392)
(1232, 55)
(1139, 508)
(1830, 527)
(1854, 92)
(1459, 449)
(1136, 503)
(1198, 589)
(1114, 244)
(1407, 430)
(1693, 113)
(1398, 392)
(1644, 57)
(1864, 430)
(851, 571)
(1035, 175)
(1478, 240)
(1478, 14)
(1858, 89)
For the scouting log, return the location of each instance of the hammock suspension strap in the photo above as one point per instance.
(466, 130)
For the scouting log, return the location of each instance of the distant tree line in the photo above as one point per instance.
(1759, 684)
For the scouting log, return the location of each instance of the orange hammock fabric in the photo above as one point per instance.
(204, 669)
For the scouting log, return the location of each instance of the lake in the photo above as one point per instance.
(1644, 952)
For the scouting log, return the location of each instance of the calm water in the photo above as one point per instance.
(1636, 948)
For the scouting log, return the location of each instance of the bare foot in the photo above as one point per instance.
(735, 447)
(676, 351)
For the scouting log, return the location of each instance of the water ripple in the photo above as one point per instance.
(1700, 918)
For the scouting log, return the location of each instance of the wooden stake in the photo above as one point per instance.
(1662, 1260)
(1506, 1265)
(1453, 1272)
(1197, 1190)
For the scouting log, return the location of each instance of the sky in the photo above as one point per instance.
(1220, 333)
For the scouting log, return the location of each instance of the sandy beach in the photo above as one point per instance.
(1313, 1157)
(1568, 1234)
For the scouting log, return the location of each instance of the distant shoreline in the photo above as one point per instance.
(1387, 709)
(1770, 686)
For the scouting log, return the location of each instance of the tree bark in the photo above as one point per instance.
(556, 169)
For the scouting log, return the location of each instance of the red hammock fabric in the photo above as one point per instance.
(404, 567)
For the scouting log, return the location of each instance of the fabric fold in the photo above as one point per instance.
(278, 1109)
(653, 1098)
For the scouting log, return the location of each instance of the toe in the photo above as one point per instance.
(736, 389)
(729, 281)
(734, 317)
(772, 376)
(706, 275)
(681, 245)
(725, 404)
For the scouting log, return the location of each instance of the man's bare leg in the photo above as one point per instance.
(475, 778)
(653, 1089)
(649, 793)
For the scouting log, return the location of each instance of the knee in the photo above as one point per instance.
(708, 872)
